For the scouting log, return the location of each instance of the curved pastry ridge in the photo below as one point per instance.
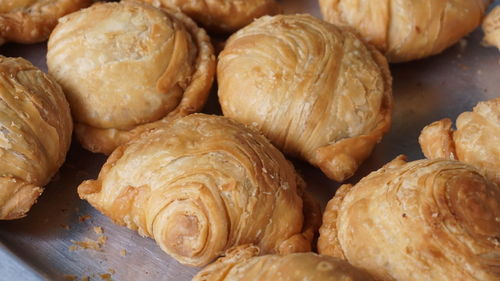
(201, 185)
(31, 21)
(491, 28)
(244, 264)
(35, 133)
(474, 141)
(157, 65)
(308, 86)
(422, 220)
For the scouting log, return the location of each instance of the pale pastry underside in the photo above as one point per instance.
(491, 28)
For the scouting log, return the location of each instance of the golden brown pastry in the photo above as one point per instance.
(222, 15)
(31, 21)
(204, 184)
(406, 30)
(241, 264)
(35, 134)
(314, 90)
(476, 140)
(423, 220)
(126, 65)
(491, 28)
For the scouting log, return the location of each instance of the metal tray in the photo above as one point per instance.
(38, 246)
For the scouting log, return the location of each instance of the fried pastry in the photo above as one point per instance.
(31, 21)
(124, 66)
(423, 220)
(201, 185)
(316, 91)
(222, 15)
(475, 141)
(406, 30)
(35, 134)
(491, 28)
(242, 264)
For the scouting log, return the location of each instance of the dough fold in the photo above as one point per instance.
(491, 28)
(127, 66)
(31, 21)
(475, 141)
(422, 220)
(316, 91)
(202, 185)
(242, 264)
(35, 134)
(222, 16)
(406, 30)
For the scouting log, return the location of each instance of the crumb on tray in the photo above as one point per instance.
(123, 252)
(69, 277)
(89, 244)
(98, 230)
(84, 218)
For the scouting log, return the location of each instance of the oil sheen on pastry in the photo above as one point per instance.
(35, 134)
(243, 264)
(316, 91)
(126, 66)
(475, 141)
(201, 185)
(406, 30)
(31, 21)
(423, 220)
(491, 28)
(222, 15)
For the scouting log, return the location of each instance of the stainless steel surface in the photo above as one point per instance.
(37, 247)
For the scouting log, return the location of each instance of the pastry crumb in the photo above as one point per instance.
(65, 226)
(69, 277)
(106, 277)
(98, 230)
(123, 252)
(89, 244)
(85, 278)
(73, 248)
(111, 271)
(84, 218)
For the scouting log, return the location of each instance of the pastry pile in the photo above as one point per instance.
(217, 191)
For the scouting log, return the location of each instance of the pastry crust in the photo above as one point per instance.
(423, 220)
(202, 185)
(491, 28)
(406, 30)
(31, 21)
(35, 134)
(139, 66)
(222, 16)
(314, 90)
(475, 141)
(242, 264)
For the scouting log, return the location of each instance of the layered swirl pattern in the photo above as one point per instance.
(314, 90)
(126, 65)
(423, 220)
(202, 185)
(35, 134)
(243, 264)
(406, 30)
